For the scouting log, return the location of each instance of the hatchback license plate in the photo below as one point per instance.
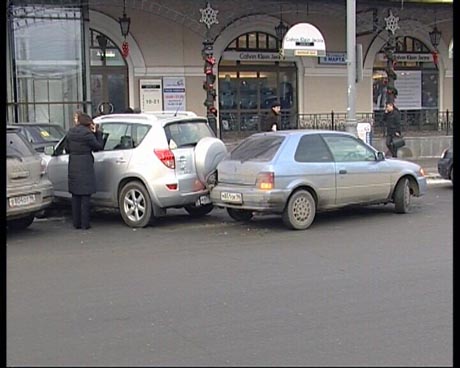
(231, 197)
(22, 200)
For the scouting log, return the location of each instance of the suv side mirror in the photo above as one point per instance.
(380, 156)
(49, 150)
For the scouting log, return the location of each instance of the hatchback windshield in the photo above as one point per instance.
(42, 133)
(185, 133)
(261, 148)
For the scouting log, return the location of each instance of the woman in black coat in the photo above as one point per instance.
(81, 140)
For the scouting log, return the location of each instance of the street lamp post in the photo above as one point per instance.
(350, 124)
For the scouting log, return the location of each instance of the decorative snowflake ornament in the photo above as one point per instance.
(209, 16)
(392, 23)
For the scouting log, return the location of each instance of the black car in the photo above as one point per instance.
(446, 164)
(41, 135)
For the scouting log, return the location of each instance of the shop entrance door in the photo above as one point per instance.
(109, 91)
(109, 76)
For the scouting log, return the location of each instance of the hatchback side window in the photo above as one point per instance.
(312, 148)
(348, 149)
(117, 136)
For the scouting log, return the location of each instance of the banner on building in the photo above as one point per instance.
(409, 86)
(174, 93)
(150, 95)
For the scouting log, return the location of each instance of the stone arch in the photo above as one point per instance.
(110, 27)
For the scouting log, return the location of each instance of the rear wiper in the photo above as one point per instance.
(192, 144)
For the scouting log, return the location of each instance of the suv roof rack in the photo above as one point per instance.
(171, 113)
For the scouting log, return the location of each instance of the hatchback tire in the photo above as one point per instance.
(402, 196)
(300, 210)
(135, 204)
(195, 211)
(21, 223)
(240, 215)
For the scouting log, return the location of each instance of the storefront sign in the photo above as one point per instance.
(409, 86)
(251, 56)
(337, 58)
(174, 93)
(400, 57)
(304, 39)
(150, 95)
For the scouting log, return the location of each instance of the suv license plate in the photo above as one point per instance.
(203, 200)
(22, 200)
(231, 197)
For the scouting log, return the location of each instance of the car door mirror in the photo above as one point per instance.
(49, 150)
(380, 156)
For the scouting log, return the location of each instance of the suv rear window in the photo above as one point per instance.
(260, 148)
(187, 133)
(17, 146)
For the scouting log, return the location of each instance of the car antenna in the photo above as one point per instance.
(178, 107)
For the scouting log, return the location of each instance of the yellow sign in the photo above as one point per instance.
(305, 52)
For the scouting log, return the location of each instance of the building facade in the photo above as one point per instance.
(65, 55)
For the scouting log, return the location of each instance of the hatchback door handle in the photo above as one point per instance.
(120, 160)
(343, 171)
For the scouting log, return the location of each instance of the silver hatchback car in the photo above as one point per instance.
(28, 190)
(297, 173)
(150, 162)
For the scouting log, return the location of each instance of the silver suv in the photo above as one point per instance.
(150, 162)
(28, 190)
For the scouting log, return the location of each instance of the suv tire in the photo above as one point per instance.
(195, 211)
(135, 204)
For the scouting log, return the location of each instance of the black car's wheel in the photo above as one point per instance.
(402, 196)
(240, 215)
(195, 211)
(135, 204)
(300, 210)
(451, 174)
(20, 223)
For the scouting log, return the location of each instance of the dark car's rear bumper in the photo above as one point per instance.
(444, 167)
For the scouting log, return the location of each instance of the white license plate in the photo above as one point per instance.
(22, 200)
(231, 197)
(203, 200)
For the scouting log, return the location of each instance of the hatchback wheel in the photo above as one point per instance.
(240, 215)
(195, 211)
(402, 197)
(21, 223)
(300, 210)
(135, 205)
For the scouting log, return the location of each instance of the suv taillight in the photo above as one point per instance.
(166, 157)
(42, 167)
(265, 180)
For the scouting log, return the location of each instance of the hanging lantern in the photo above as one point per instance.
(125, 49)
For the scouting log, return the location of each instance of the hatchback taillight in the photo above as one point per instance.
(265, 180)
(166, 157)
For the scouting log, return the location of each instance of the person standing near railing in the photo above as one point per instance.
(392, 124)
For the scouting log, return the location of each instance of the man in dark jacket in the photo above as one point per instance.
(273, 120)
(81, 140)
(392, 124)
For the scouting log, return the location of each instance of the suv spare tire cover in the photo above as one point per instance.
(208, 153)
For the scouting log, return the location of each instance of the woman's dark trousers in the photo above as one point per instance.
(81, 211)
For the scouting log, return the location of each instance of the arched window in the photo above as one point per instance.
(417, 76)
(251, 78)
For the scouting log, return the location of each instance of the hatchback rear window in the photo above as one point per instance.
(187, 133)
(16, 146)
(261, 148)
